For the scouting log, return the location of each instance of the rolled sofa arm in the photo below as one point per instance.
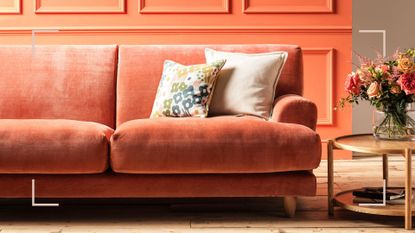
(295, 109)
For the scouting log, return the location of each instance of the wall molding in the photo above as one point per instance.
(329, 52)
(119, 7)
(16, 7)
(249, 9)
(223, 7)
(173, 30)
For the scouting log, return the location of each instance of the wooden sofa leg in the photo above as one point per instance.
(290, 204)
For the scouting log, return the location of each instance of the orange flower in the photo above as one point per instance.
(395, 89)
(405, 64)
(373, 90)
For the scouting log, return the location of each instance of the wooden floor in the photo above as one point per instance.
(214, 215)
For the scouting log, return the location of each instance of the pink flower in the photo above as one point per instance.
(365, 76)
(373, 90)
(378, 69)
(407, 82)
(384, 68)
(353, 83)
(366, 65)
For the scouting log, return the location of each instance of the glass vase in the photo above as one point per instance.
(394, 123)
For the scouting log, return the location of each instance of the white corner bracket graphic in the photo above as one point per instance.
(378, 204)
(383, 37)
(34, 31)
(34, 204)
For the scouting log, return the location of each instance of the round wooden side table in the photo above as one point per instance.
(366, 143)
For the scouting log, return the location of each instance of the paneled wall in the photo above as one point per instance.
(321, 27)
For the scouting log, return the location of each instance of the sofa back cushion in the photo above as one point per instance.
(58, 82)
(141, 66)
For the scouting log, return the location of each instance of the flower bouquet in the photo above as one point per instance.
(389, 85)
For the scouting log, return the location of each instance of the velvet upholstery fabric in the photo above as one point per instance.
(53, 146)
(140, 69)
(226, 144)
(295, 109)
(113, 185)
(64, 81)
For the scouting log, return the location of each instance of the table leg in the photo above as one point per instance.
(330, 177)
(408, 189)
(385, 168)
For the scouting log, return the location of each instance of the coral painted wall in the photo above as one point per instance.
(321, 27)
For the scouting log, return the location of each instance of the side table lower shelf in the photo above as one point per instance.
(345, 200)
(366, 143)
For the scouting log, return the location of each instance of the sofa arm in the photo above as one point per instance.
(295, 109)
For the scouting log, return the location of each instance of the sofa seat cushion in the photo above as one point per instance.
(53, 147)
(226, 144)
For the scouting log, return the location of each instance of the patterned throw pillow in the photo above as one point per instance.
(186, 91)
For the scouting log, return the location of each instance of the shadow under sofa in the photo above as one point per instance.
(75, 119)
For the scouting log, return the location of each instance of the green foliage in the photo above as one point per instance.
(410, 52)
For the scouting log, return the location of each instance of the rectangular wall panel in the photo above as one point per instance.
(287, 6)
(318, 81)
(10, 6)
(79, 6)
(184, 6)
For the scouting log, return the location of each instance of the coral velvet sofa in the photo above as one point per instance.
(75, 118)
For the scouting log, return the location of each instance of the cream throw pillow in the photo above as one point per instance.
(247, 82)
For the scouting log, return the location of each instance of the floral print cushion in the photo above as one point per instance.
(186, 91)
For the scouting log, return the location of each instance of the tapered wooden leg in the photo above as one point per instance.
(290, 204)
(385, 168)
(408, 189)
(330, 177)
